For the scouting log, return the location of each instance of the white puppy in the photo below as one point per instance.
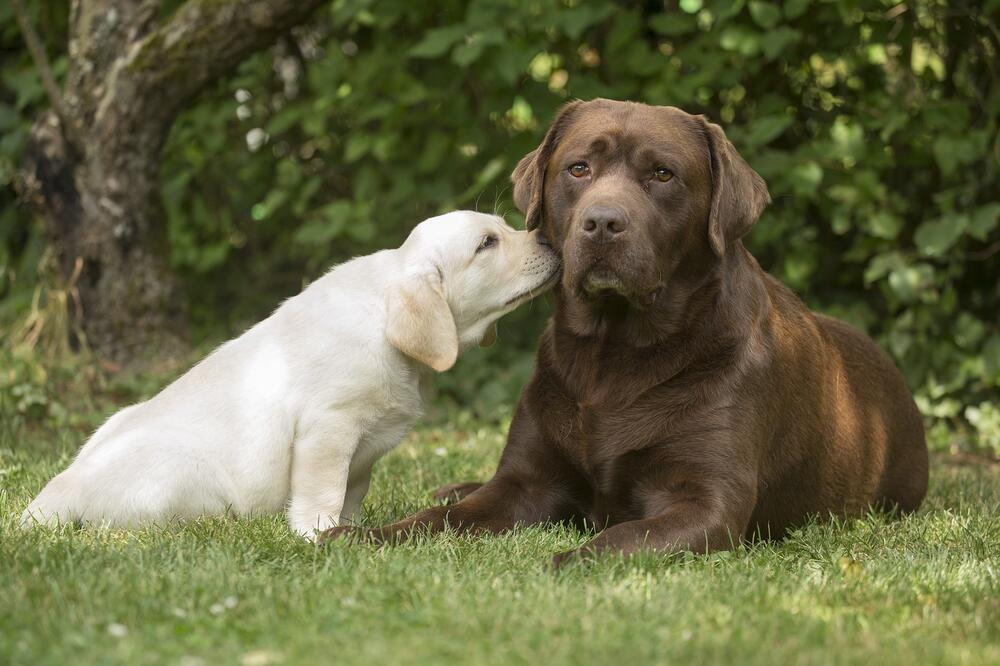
(293, 413)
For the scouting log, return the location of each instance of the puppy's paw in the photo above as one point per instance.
(29, 520)
(307, 533)
(312, 531)
(456, 492)
(309, 524)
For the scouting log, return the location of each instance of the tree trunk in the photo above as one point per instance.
(95, 182)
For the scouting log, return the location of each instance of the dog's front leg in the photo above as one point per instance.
(321, 463)
(695, 524)
(499, 505)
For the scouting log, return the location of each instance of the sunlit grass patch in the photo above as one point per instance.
(922, 589)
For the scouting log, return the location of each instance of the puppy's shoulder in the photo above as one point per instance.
(359, 278)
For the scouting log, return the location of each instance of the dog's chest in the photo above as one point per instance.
(591, 435)
(617, 444)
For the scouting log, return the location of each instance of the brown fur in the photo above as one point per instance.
(696, 402)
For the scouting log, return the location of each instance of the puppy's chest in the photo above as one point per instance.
(385, 413)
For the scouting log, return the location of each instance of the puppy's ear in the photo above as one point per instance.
(420, 323)
(739, 194)
(490, 336)
(529, 175)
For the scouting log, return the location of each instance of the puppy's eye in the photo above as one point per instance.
(579, 170)
(487, 242)
(663, 174)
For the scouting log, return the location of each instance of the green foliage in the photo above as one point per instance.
(23, 391)
(63, 398)
(21, 99)
(875, 124)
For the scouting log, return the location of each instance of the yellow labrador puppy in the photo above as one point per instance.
(293, 413)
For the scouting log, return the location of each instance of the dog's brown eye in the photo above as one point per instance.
(487, 242)
(663, 174)
(579, 170)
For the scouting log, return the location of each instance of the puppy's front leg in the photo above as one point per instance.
(321, 463)
(534, 483)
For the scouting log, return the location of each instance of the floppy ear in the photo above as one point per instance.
(529, 175)
(490, 336)
(739, 194)
(421, 324)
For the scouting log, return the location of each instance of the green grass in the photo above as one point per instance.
(921, 590)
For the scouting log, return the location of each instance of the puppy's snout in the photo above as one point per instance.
(603, 223)
(542, 257)
(537, 238)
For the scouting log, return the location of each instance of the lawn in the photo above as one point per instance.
(922, 590)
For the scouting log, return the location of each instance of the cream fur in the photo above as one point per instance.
(293, 414)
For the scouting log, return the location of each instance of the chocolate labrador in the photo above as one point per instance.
(683, 399)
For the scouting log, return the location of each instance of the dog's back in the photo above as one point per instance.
(892, 446)
(840, 429)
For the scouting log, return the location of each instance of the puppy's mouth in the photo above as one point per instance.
(539, 288)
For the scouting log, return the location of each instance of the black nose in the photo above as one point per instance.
(602, 223)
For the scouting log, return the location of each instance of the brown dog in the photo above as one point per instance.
(683, 399)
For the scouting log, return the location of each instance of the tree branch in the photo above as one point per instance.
(205, 39)
(41, 60)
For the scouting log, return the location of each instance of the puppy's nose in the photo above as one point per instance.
(601, 223)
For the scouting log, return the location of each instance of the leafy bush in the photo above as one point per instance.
(875, 124)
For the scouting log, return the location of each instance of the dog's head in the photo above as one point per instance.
(631, 195)
(461, 272)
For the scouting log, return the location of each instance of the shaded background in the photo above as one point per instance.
(874, 123)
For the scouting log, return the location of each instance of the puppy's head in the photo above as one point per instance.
(463, 271)
(628, 192)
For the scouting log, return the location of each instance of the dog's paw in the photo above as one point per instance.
(456, 492)
(574, 556)
(345, 532)
(562, 559)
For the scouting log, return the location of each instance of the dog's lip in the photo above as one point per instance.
(600, 279)
(601, 282)
(541, 286)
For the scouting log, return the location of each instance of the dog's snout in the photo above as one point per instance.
(542, 240)
(601, 223)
